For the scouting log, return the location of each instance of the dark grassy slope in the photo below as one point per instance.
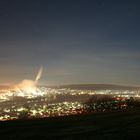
(114, 125)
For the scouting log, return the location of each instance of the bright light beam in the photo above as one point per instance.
(39, 74)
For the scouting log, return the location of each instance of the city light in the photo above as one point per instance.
(48, 102)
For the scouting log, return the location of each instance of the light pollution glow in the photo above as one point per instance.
(30, 86)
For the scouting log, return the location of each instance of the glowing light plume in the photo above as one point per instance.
(39, 74)
(29, 87)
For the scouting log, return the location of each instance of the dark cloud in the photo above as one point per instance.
(77, 41)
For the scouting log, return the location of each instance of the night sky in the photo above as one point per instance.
(76, 41)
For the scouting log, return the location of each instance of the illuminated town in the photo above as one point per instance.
(50, 102)
(28, 100)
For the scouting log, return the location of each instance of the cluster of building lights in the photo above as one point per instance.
(43, 102)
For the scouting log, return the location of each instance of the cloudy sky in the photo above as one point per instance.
(76, 41)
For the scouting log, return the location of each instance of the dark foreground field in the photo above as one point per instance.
(115, 125)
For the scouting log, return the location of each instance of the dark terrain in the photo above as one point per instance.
(98, 87)
(118, 125)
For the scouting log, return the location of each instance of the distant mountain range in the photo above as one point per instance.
(98, 87)
(89, 87)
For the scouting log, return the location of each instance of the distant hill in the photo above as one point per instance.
(98, 87)
(89, 87)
